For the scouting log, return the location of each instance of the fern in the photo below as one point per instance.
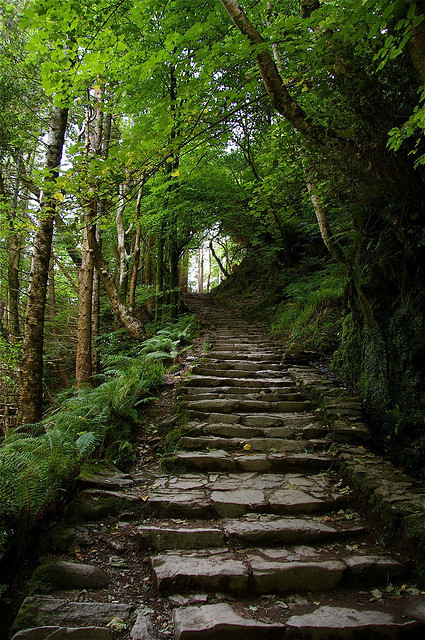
(35, 461)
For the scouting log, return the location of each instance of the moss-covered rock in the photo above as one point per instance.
(92, 505)
(67, 575)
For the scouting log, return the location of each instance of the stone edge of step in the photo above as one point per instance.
(395, 497)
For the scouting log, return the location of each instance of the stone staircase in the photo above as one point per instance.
(248, 530)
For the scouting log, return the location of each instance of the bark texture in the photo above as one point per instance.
(121, 312)
(31, 374)
(84, 356)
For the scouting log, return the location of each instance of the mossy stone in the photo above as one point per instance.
(68, 575)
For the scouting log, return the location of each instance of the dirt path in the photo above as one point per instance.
(247, 532)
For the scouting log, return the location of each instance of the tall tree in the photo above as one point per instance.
(31, 374)
(93, 148)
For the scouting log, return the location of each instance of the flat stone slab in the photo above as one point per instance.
(208, 495)
(172, 537)
(231, 431)
(295, 577)
(212, 380)
(302, 569)
(237, 502)
(39, 611)
(222, 405)
(269, 531)
(216, 572)
(295, 501)
(69, 575)
(222, 622)
(220, 460)
(340, 623)
(370, 570)
(193, 443)
(64, 633)
(179, 503)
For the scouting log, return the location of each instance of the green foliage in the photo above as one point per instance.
(167, 342)
(311, 312)
(37, 460)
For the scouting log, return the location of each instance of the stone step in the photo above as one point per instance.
(230, 344)
(222, 622)
(258, 366)
(247, 346)
(254, 420)
(223, 405)
(45, 611)
(260, 372)
(264, 445)
(220, 460)
(241, 393)
(206, 496)
(249, 530)
(304, 432)
(266, 571)
(242, 381)
(257, 356)
(341, 623)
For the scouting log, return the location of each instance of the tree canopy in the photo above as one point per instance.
(289, 134)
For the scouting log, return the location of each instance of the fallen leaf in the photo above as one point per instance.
(247, 447)
(117, 624)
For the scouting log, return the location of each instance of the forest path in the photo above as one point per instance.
(247, 533)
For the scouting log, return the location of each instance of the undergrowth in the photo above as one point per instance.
(302, 304)
(310, 314)
(37, 460)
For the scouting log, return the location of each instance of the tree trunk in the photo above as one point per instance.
(278, 93)
(136, 253)
(121, 248)
(184, 273)
(218, 261)
(52, 291)
(95, 322)
(209, 270)
(84, 356)
(328, 238)
(83, 360)
(121, 312)
(174, 278)
(159, 279)
(14, 246)
(31, 374)
(148, 270)
(13, 249)
(201, 270)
